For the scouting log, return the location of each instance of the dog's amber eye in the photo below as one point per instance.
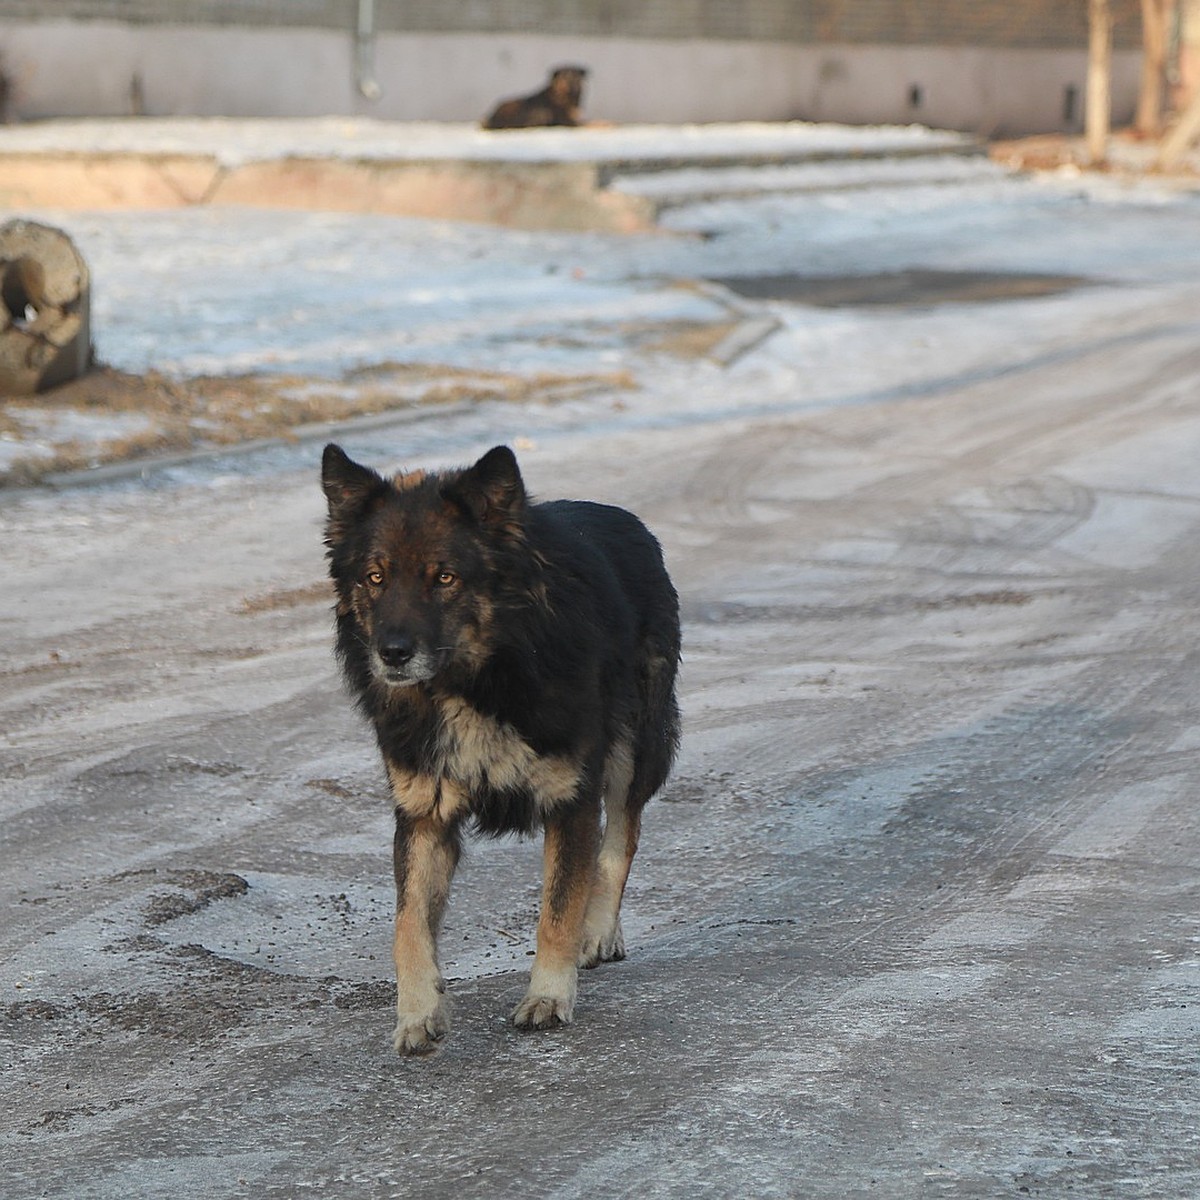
(374, 579)
(445, 578)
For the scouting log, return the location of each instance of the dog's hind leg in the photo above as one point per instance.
(425, 853)
(603, 939)
(570, 867)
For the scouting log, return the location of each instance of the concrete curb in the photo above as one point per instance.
(317, 431)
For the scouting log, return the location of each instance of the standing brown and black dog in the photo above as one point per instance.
(518, 662)
(558, 103)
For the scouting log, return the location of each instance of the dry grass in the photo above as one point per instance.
(686, 339)
(179, 415)
(285, 598)
(112, 416)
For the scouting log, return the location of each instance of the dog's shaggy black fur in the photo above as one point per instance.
(518, 663)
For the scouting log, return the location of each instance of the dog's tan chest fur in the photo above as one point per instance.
(477, 753)
(481, 752)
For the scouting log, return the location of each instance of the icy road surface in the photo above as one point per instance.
(919, 914)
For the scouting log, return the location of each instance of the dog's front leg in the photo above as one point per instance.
(570, 867)
(424, 853)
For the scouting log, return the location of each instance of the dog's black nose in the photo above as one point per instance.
(396, 649)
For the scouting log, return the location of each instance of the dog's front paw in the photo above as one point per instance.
(420, 1032)
(601, 948)
(543, 1012)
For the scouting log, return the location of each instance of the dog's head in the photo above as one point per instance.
(420, 563)
(566, 85)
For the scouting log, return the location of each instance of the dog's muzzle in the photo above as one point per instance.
(399, 661)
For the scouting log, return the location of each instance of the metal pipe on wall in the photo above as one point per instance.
(364, 52)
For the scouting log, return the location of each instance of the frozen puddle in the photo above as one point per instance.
(914, 287)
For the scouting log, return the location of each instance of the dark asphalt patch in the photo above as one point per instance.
(912, 288)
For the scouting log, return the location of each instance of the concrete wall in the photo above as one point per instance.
(67, 68)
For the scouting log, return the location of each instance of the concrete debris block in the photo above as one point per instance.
(45, 303)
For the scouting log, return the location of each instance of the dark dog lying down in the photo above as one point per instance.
(518, 663)
(558, 103)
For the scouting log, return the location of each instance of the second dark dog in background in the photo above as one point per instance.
(558, 103)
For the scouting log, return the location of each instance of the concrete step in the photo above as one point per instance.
(672, 188)
(532, 178)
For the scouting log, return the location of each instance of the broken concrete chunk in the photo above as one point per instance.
(45, 302)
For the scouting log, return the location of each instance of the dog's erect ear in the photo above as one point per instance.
(348, 485)
(491, 491)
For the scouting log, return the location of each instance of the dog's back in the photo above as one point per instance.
(649, 615)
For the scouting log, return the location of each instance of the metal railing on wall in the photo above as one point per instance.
(1015, 23)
